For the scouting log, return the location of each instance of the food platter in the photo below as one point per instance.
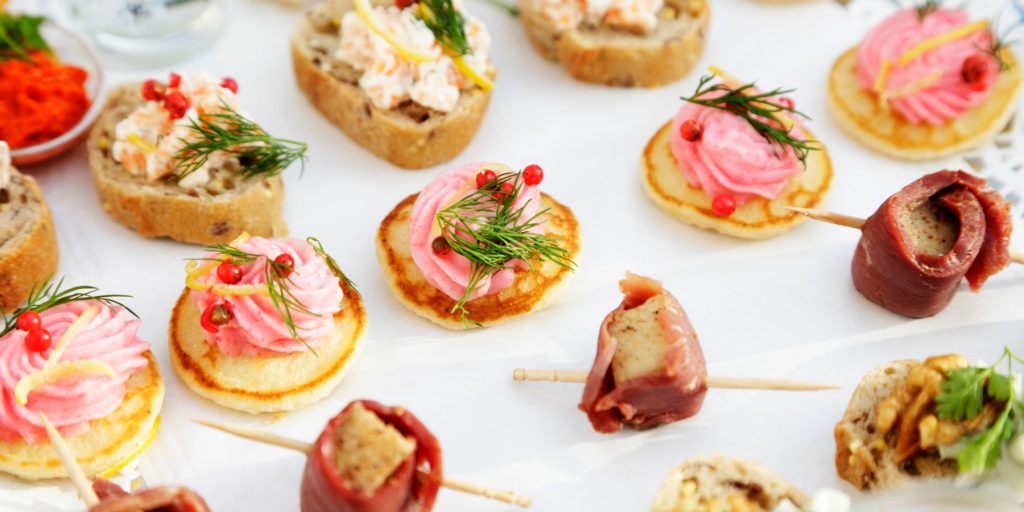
(784, 307)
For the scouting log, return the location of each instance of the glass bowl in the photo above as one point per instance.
(70, 49)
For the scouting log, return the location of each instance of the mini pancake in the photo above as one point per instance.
(758, 219)
(110, 444)
(876, 125)
(265, 384)
(531, 291)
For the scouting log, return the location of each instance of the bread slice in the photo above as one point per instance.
(531, 291)
(265, 384)
(110, 444)
(411, 136)
(215, 214)
(619, 58)
(756, 220)
(707, 484)
(28, 244)
(858, 460)
(879, 127)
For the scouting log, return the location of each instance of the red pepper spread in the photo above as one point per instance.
(40, 99)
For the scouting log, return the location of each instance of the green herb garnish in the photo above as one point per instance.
(330, 261)
(926, 8)
(962, 398)
(486, 228)
(48, 294)
(759, 110)
(230, 132)
(510, 8)
(447, 24)
(19, 35)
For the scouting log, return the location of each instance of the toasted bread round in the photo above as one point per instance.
(866, 466)
(411, 136)
(532, 290)
(879, 127)
(265, 384)
(163, 209)
(620, 58)
(724, 483)
(756, 220)
(28, 244)
(111, 442)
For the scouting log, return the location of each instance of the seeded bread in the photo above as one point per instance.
(228, 206)
(620, 58)
(867, 466)
(723, 483)
(28, 245)
(410, 136)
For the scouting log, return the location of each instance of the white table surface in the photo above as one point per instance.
(782, 307)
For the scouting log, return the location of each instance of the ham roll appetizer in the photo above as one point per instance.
(925, 239)
(155, 499)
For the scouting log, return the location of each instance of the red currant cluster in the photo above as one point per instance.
(218, 314)
(692, 130)
(38, 338)
(174, 101)
(974, 70)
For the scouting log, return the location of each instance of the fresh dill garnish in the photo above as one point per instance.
(962, 398)
(926, 8)
(447, 24)
(999, 43)
(508, 7)
(759, 110)
(332, 264)
(230, 132)
(488, 229)
(49, 294)
(19, 35)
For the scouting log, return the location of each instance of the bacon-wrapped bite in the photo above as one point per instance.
(924, 239)
(155, 499)
(372, 458)
(649, 369)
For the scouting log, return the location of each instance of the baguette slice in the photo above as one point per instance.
(724, 483)
(411, 136)
(865, 466)
(215, 214)
(28, 244)
(619, 58)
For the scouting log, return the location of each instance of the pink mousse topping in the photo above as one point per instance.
(945, 93)
(71, 403)
(257, 328)
(730, 157)
(450, 272)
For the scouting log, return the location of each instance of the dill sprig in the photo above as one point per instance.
(926, 8)
(332, 264)
(447, 24)
(486, 228)
(999, 43)
(759, 110)
(508, 7)
(19, 35)
(230, 132)
(49, 294)
(278, 279)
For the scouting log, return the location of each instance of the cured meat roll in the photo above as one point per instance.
(372, 458)
(923, 240)
(649, 369)
(162, 499)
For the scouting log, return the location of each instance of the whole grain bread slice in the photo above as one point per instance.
(724, 483)
(228, 206)
(410, 136)
(28, 244)
(621, 58)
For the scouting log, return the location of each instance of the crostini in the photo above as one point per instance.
(724, 483)
(266, 325)
(409, 81)
(182, 160)
(644, 43)
(733, 158)
(73, 354)
(925, 83)
(445, 254)
(28, 244)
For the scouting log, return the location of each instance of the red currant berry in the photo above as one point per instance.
(440, 246)
(176, 104)
(286, 263)
(152, 90)
(785, 102)
(974, 68)
(229, 273)
(533, 175)
(230, 84)
(29, 321)
(174, 80)
(38, 340)
(723, 205)
(402, 4)
(691, 130)
(216, 315)
(504, 193)
(484, 177)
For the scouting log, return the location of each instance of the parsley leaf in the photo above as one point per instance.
(984, 450)
(963, 393)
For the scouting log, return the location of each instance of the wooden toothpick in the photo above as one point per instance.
(67, 458)
(578, 377)
(304, 447)
(858, 223)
